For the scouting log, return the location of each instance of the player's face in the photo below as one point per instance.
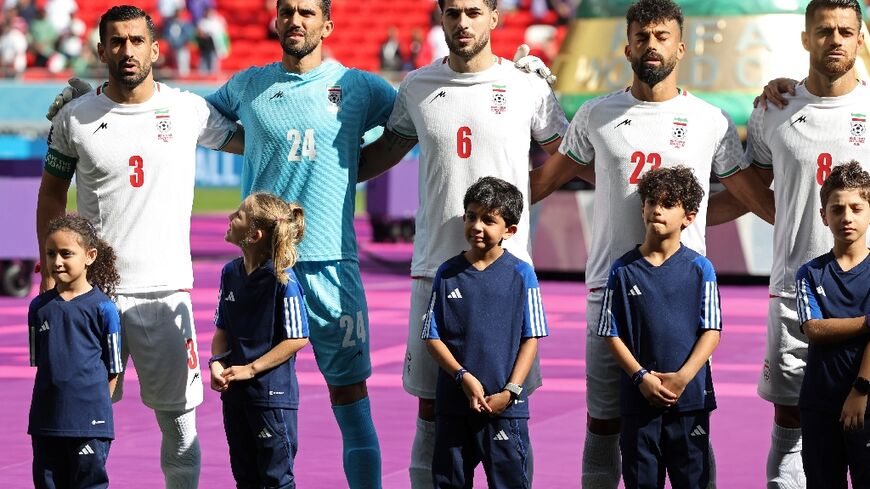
(654, 50)
(485, 229)
(301, 26)
(239, 228)
(832, 39)
(847, 214)
(129, 52)
(665, 221)
(467, 24)
(67, 259)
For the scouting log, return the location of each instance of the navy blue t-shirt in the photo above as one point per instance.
(481, 315)
(257, 312)
(825, 291)
(659, 312)
(74, 346)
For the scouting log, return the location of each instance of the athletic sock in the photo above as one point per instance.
(422, 451)
(785, 469)
(602, 465)
(179, 449)
(362, 454)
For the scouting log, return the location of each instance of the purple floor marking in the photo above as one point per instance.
(740, 427)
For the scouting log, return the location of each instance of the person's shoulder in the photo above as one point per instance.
(617, 98)
(231, 267)
(696, 259)
(816, 264)
(79, 105)
(42, 299)
(452, 266)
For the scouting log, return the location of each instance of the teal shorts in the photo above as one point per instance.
(338, 320)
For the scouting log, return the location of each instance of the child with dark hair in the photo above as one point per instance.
(833, 306)
(482, 327)
(662, 322)
(75, 344)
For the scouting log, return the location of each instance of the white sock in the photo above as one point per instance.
(179, 450)
(422, 451)
(602, 464)
(785, 469)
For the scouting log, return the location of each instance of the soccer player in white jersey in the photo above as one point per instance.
(473, 114)
(621, 136)
(131, 147)
(824, 123)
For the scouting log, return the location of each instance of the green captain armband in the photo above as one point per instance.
(60, 165)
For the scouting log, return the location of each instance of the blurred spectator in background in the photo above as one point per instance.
(214, 43)
(419, 52)
(168, 8)
(59, 13)
(564, 10)
(391, 52)
(27, 10)
(71, 43)
(178, 33)
(43, 37)
(435, 38)
(13, 45)
(198, 9)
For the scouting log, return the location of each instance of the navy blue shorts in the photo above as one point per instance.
(75, 463)
(678, 443)
(262, 445)
(828, 452)
(462, 442)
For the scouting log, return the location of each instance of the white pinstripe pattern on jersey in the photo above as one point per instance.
(113, 342)
(424, 334)
(712, 311)
(804, 311)
(293, 318)
(537, 320)
(605, 321)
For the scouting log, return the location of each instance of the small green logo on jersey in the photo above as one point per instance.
(499, 98)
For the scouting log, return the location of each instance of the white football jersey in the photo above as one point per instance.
(134, 168)
(470, 125)
(627, 137)
(801, 143)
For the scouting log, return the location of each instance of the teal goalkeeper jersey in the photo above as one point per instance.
(302, 142)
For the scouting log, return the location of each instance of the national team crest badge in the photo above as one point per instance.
(499, 99)
(333, 98)
(164, 125)
(679, 131)
(857, 129)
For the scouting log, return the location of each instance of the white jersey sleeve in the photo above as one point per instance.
(216, 129)
(400, 121)
(548, 119)
(728, 158)
(576, 144)
(757, 152)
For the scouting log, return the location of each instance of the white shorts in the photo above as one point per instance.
(786, 355)
(157, 331)
(603, 375)
(420, 375)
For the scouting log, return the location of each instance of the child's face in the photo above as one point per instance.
(847, 214)
(239, 229)
(485, 229)
(67, 259)
(665, 221)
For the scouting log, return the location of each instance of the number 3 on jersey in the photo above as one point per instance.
(640, 159)
(137, 175)
(301, 145)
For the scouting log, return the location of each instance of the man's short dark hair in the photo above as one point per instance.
(325, 7)
(670, 187)
(490, 4)
(496, 195)
(122, 13)
(815, 5)
(646, 12)
(848, 176)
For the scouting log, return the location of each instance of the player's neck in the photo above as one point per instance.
(303, 65)
(482, 61)
(481, 259)
(74, 289)
(821, 85)
(657, 249)
(660, 92)
(850, 255)
(122, 95)
(254, 257)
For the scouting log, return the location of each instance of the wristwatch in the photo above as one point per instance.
(861, 385)
(514, 389)
(457, 377)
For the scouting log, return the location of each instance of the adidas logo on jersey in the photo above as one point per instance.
(698, 431)
(635, 291)
(44, 327)
(821, 291)
(500, 436)
(455, 294)
(230, 297)
(264, 434)
(86, 450)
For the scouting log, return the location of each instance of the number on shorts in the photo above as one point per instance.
(346, 323)
(137, 177)
(306, 142)
(639, 159)
(192, 356)
(824, 163)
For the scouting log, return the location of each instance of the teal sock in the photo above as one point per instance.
(362, 454)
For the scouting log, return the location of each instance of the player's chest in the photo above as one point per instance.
(321, 111)
(490, 109)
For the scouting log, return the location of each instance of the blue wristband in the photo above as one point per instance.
(637, 378)
(457, 377)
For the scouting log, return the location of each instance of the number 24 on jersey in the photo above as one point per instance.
(301, 144)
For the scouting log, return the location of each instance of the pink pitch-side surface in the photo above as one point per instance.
(740, 428)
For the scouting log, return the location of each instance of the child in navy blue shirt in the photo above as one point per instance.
(483, 325)
(833, 294)
(261, 323)
(662, 319)
(75, 345)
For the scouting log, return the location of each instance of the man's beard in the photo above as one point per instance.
(308, 45)
(652, 75)
(836, 69)
(130, 81)
(468, 52)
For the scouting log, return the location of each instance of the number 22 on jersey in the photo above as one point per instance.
(639, 159)
(301, 144)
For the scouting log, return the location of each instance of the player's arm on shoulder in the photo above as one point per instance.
(50, 203)
(383, 154)
(557, 171)
(772, 94)
(236, 143)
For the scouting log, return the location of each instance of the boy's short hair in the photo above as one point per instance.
(671, 187)
(498, 196)
(848, 176)
(646, 12)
